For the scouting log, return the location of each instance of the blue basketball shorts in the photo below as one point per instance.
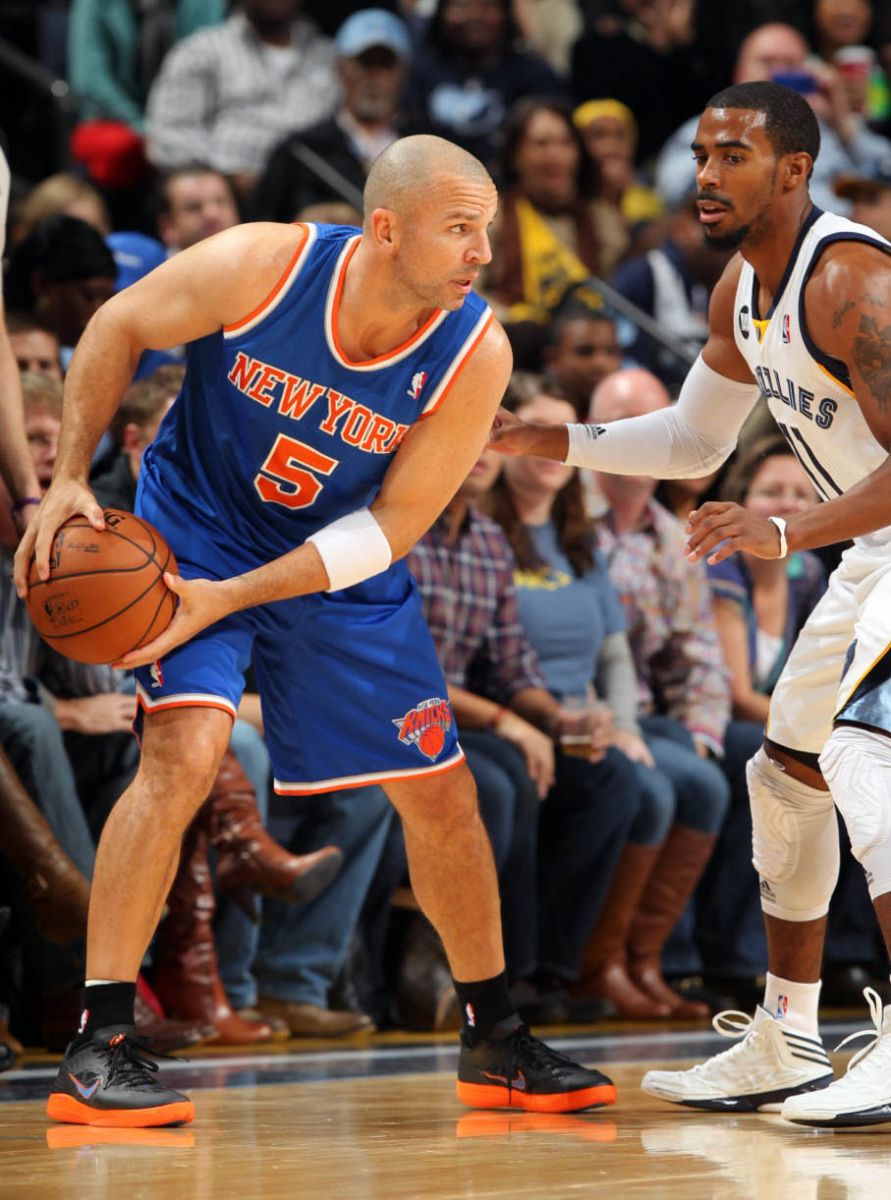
(350, 686)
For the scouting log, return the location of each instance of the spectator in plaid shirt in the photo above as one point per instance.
(508, 722)
(682, 675)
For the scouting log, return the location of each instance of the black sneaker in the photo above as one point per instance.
(110, 1080)
(516, 1070)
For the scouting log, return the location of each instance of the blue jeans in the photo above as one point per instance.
(31, 737)
(303, 947)
(585, 821)
(237, 936)
(701, 789)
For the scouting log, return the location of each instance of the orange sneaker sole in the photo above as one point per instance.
(481, 1095)
(71, 1112)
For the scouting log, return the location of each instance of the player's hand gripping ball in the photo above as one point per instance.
(105, 594)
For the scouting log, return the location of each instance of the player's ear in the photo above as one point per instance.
(797, 168)
(383, 227)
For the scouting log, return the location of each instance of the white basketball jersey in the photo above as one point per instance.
(808, 392)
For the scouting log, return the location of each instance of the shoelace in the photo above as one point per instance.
(731, 1023)
(534, 1052)
(874, 1000)
(129, 1062)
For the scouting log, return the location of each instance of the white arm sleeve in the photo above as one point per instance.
(692, 438)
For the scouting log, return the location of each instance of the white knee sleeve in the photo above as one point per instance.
(856, 763)
(794, 842)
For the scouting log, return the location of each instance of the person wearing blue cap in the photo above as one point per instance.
(331, 160)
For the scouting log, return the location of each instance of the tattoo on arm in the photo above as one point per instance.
(872, 357)
(840, 313)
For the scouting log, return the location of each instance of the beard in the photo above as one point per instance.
(732, 240)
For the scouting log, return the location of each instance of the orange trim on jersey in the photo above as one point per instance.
(463, 363)
(161, 706)
(335, 310)
(844, 387)
(383, 778)
(304, 234)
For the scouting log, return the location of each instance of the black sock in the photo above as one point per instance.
(107, 1004)
(483, 1004)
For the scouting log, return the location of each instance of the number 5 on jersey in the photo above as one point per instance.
(284, 477)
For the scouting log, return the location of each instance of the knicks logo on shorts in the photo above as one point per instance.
(426, 726)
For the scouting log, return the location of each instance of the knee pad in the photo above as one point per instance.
(856, 763)
(794, 842)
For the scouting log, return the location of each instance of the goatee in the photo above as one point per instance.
(727, 241)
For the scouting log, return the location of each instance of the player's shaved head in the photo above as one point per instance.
(406, 169)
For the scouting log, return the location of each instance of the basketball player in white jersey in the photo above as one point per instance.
(802, 315)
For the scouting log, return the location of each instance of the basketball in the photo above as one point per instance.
(105, 594)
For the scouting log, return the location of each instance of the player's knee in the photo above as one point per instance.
(447, 802)
(180, 761)
(856, 764)
(794, 842)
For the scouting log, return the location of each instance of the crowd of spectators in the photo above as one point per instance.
(608, 692)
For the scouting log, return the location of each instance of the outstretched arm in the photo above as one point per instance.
(687, 440)
(848, 311)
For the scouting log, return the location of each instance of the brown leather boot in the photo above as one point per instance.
(685, 854)
(185, 977)
(60, 895)
(604, 970)
(247, 857)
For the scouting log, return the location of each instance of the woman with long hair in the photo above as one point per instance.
(572, 615)
(553, 231)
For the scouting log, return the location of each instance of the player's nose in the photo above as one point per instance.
(480, 251)
(707, 175)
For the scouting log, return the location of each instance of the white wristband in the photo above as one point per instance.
(781, 527)
(352, 548)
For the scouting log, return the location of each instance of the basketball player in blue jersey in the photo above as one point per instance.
(340, 385)
(802, 316)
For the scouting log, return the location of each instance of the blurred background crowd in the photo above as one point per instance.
(607, 691)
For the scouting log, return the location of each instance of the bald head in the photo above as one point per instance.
(769, 49)
(628, 393)
(406, 169)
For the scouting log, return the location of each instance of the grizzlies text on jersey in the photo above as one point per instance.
(839, 666)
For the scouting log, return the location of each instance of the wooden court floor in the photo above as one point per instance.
(380, 1122)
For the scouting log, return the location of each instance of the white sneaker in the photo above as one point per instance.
(863, 1095)
(769, 1064)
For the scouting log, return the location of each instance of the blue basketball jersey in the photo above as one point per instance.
(276, 431)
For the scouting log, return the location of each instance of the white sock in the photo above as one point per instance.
(795, 1004)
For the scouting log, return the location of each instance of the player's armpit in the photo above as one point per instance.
(720, 351)
(437, 455)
